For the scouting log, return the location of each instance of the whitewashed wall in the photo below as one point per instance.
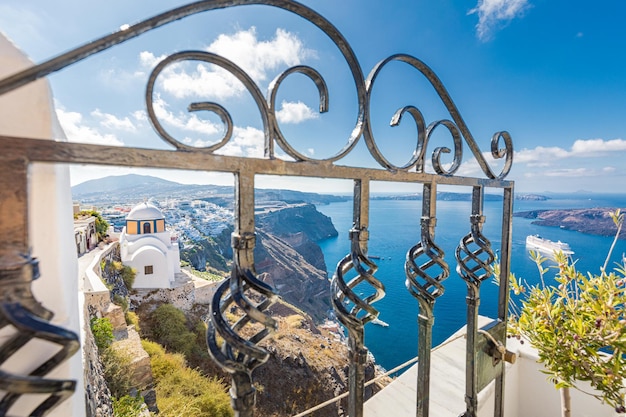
(29, 112)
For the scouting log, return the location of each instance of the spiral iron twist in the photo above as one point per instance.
(20, 309)
(237, 354)
(474, 265)
(361, 311)
(424, 287)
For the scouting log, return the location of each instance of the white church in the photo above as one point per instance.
(147, 247)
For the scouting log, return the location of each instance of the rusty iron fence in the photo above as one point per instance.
(237, 354)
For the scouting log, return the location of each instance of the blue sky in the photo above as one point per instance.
(551, 73)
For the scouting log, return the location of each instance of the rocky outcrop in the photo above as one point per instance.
(139, 367)
(288, 257)
(205, 252)
(308, 365)
(304, 370)
(302, 218)
(127, 343)
(296, 280)
(593, 221)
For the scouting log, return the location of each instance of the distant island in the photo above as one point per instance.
(133, 188)
(450, 196)
(593, 221)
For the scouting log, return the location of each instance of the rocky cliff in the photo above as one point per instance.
(593, 221)
(286, 255)
(308, 365)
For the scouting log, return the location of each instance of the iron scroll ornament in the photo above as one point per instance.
(456, 125)
(236, 354)
(362, 311)
(355, 312)
(20, 309)
(424, 287)
(475, 258)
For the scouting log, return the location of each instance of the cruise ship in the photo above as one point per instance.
(536, 242)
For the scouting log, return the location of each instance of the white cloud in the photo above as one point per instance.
(469, 168)
(140, 115)
(570, 172)
(591, 147)
(294, 113)
(542, 156)
(256, 57)
(111, 121)
(76, 131)
(494, 13)
(246, 141)
(183, 121)
(148, 60)
(203, 81)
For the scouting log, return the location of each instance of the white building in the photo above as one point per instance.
(148, 248)
(85, 234)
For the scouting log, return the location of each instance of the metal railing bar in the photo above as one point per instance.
(91, 48)
(38, 150)
(376, 379)
(503, 296)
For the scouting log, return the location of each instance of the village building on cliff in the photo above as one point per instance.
(147, 247)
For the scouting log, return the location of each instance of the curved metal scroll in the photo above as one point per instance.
(475, 257)
(244, 292)
(360, 313)
(430, 289)
(426, 289)
(474, 264)
(237, 354)
(456, 126)
(19, 308)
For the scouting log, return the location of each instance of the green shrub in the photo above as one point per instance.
(102, 330)
(182, 391)
(166, 364)
(577, 325)
(132, 319)
(116, 371)
(169, 328)
(200, 332)
(128, 276)
(120, 301)
(127, 406)
(152, 348)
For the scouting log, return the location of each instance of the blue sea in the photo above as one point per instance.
(394, 229)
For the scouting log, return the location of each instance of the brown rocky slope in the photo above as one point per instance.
(308, 364)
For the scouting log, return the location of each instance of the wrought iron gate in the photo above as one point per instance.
(237, 354)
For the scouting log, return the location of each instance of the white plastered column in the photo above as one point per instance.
(29, 112)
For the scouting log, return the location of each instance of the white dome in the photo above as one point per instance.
(145, 211)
